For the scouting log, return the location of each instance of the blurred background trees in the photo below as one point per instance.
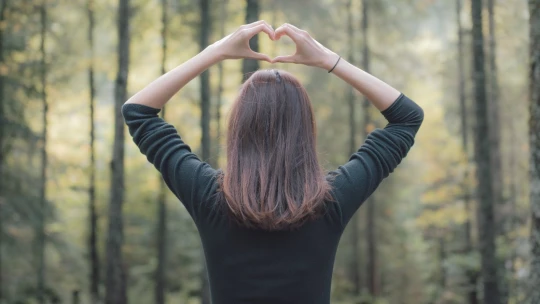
(85, 219)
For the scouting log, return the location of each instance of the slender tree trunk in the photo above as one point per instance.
(161, 282)
(92, 238)
(75, 297)
(512, 200)
(534, 140)
(472, 277)
(3, 6)
(442, 258)
(494, 120)
(40, 236)
(483, 157)
(252, 14)
(115, 292)
(494, 111)
(371, 212)
(223, 17)
(205, 80)
(205, 119)
(355, 262)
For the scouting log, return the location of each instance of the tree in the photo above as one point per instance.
(494, 120)
(483, 158)
(223, 18)
(252, 14)
(40, 233)
(3, 6)
(162, 194)
(370, 223)
(115, 288)
(204, 35)
(92, 237)
(354, 270)
(534, 141)
(472, 296)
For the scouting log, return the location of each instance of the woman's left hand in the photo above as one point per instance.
(236, 45)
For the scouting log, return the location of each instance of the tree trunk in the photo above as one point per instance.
(223, 14)
(370, 223)
(252, 14)
(223, 18)
(483, 157)
(501, 217)
(92, 238)
(472, 276)
(205, 81)
(205, 120)
(442, 258)
(75, 297)
(160, 283)
(534, 140)
(3, 6)
(354, 270)
(494, 113)
(115, 292)
(40, 235)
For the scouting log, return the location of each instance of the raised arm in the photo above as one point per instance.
(384, 149)
(191, 180)
(234, 46)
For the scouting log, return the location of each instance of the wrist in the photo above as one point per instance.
(213, 54)
(329, 61)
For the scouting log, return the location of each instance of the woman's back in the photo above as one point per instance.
(247, 265)
(248, 259)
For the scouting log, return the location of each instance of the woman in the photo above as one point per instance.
(270, 222)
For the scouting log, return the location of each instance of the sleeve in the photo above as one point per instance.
(191, 180)
(381, 153)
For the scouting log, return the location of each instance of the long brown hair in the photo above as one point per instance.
(273, 179)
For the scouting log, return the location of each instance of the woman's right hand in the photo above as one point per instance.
(308, 50)
(236, 45)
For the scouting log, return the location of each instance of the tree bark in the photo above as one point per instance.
(252, 14)
(92, 237)
(3, 6)
(371, 212)
(472, 277)
(205, 81)
(205, 119)
(75, 297)
(115, 292)
(494, 120)
(534, 141)
(442, 258)
(494, 112)
(483, 157)
(40, 235)
(354, 270)
(223, 18)
(160, 284)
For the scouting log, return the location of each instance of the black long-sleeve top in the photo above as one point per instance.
(255, 266)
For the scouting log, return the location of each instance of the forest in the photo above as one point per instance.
(84, 218)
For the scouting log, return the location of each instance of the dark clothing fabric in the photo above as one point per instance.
(256, 266)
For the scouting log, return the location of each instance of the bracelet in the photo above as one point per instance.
(335, 65)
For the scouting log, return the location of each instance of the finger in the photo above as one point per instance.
(295, 28)
(260, 28)
(284, 59)
(260, 56)
(254, 24)
(286, 30)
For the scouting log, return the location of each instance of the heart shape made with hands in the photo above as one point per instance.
(308, 50)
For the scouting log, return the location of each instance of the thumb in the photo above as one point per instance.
(284, 59)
